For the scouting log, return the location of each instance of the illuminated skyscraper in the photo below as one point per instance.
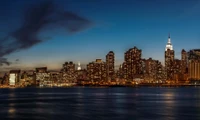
(14, 77)
(177, 70)
(96, 71)
(183, 61)
(68, 72)
(110, 65)
(194, 69)
(79, 66)
(194, 64)
(43, 77)
(184, 66)
(133, 63)
(169, 59)
(169, 44)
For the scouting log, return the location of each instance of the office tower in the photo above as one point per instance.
(194, 54)
(125, 70)
(96, 71)
(14, 77)
(132, 63)
(183, 61)
(184, 66)
(110, 65)
(159, 71)
(194, 64)
(153, 70)
(177, 70)
(169, 59)
(120, 72)
(43, 77)
(150, 69)
(194, 69)
(68, 72)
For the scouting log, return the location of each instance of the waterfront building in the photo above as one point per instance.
(68, 72)
(133, 64)
(43, 77)
(194, 69)
(177, 70)
(194, 64)
(169, 59)
(110, 65)
(14, 77)
(96, 71)
(184, 66)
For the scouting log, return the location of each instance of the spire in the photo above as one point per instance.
(169, 39)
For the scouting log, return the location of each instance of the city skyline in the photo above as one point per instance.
(112, 32)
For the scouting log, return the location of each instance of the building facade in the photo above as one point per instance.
(96, 71)
(132, 63)
(110, 65)
(68, 72)
(169, 59)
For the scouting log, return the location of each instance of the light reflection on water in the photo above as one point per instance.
(100, 103)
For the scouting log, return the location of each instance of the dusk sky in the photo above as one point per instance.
(117, 25)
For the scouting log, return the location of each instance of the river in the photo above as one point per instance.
(90, 103)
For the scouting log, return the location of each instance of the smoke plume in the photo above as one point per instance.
(37, 18)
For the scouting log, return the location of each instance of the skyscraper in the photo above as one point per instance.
(96, 71)
(194, 69)
(110, 65)
(194, 64)
(169, 59)
(68, 72)
(133, 63)
(177, 70)
(184, 66)
(183, 61)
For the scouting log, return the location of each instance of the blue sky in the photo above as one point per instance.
(119, 25)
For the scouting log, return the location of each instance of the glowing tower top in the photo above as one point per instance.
(79, 66)
(169, 44)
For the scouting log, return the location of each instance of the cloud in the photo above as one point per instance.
(35, 19)
(4, 61)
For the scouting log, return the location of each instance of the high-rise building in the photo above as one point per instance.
(159, 71)
(14, 77)
(153, 70)
(183, 62)
(96, 71)
(194, 64)
(43, 77)
(177, 70)
(110, 65)
(194, 69)
(184, 66)
(133, 63)
(169, 59)
(194, 54)
(68, 72)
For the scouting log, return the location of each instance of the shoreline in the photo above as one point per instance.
(100, 86)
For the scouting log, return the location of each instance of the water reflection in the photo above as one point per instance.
(11, 106)
(100, 103)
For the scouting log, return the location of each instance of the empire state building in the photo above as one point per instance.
(169, 44)
(169, 59)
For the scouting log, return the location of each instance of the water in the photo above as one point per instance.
(84, 103)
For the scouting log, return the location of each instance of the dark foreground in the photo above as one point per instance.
(87, 103)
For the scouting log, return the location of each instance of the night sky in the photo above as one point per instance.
(115, 26)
